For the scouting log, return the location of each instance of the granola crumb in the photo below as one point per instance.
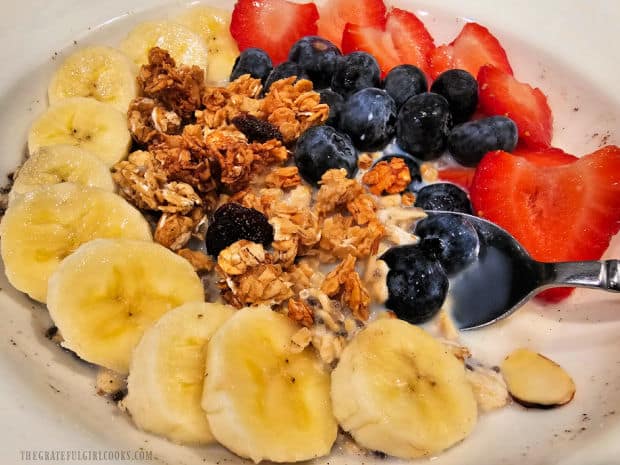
(390, 177)
(199, 260)
(284, 178)
(364, 161)
(300, 340)
(109, 382)
(429, 172)
(300, 313)
(345, 282)
(408, 199)
(238, 257)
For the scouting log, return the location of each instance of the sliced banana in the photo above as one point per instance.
(213, 25)
(103, 73)
(185, 46)
(56, 164)
(167, 372)
(86, 123)
(399, 391)
(42, 227)
(263, 400)
(104, 296)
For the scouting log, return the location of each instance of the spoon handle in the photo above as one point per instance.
(596, 274)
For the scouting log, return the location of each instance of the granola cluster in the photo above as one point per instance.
(190, 148)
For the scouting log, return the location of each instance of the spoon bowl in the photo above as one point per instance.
(503, 277)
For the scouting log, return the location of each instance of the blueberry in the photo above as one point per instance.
(450, 238)
(443, 196)
(282, 71)
(322, 148)
(335, 102)
(354, 72)
(404, 81)
(469, 142)
(460, 90)
(414, 169)
(232, 222)
(417, 283)
(423, 125)
(369, 117)
(317, 57)
(253, 61)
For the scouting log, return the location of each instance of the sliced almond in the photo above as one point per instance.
(535, 381)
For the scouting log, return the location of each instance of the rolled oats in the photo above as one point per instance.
(489, 388)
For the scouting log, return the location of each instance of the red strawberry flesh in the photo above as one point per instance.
(473, 48)
(502, 94)
(412, 40)
(273, 25)
(371, 40)
(558, 213)
(335, 14)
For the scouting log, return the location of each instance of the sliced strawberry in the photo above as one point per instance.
(404, 39)
(473, 48)
(545, 157)
(558, 213)
(458, 175)
(412, 40)
(335, 14)
(373, 40)
(502, 94)
(273, 25)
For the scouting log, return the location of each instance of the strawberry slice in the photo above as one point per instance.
(462, 176)
(335, 14)
(372, 40)
(458, 175)
(412, 40)
(473, 48)
(273, 25)
(558, 213)
(404, 39)
(545, 157)
(502, 94)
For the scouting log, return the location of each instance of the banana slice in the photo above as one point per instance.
(167, 372)
(213, 25)
(102, 73)
(61, 163)
(42, 227)
(399, 391)
(108, 292)
(185, 46)
(86, 123)
(263, 400)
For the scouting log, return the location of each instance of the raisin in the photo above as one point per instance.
(233, 222)
(255, 129)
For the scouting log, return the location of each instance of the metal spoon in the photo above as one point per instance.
(504, 277)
